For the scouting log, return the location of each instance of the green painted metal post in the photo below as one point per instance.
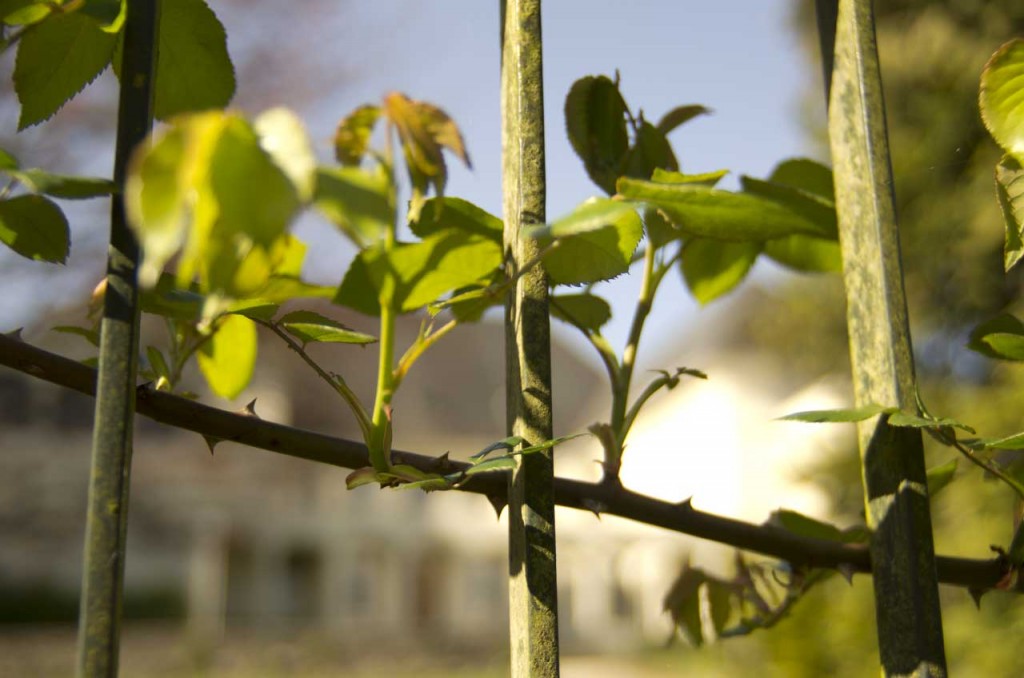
(533, 588)
(896, 495)
(106, 523)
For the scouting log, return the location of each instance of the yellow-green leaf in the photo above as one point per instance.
(35, 228)
(227, 359)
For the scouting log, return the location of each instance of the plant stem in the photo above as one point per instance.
(978, 461)
(620, 422)
(414, 352)
(335, 381)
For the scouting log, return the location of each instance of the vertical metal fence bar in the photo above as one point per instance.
(107, 519)
(896, 495)
(533, 608)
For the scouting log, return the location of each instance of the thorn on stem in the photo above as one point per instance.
(499, 504)
(976, 594)
(847, 570)
(249, 410)
(594, 507)
(15, 334)
(211, 442)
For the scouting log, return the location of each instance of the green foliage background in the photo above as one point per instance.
(952, 238)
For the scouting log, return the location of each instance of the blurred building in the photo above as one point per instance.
(247, 538)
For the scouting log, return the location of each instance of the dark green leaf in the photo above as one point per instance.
(711, 213)
(812, 208)
(548, 444)
(35, 228)
(659, 230)
(1004, 323)
(157, 363)
(1010, 191)
(841, 415)
(1014, 442)
(194, 71)
(109, 14)
(680, 115)
(358, 290)
(806, 526)
(586, 311)
(939, 477)
(444, 213)
(61, 186)
(682, 602)
(357, 201)
(595, 119)
(650, 151)
(713, 268)
(905, 420)
(56, 59)
(806, 253)
(506, 444)
(353, 135)
(309, 326)
(7, 161)
(254, 309)
(807, 175)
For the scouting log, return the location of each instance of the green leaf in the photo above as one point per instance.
(682, 602)
(7, 161)
(309, 326)
(805, 526)
(548, 444)
(283, 136)
(1002, 108)
(353, 135)
(357, 289)
(939, 477)
(708, 179)
(444, 213)
(906, 420)
(680, 115)
(586, 311)
(56, 59)
(711, 213)
(841, 415)
(713, 268)
(1010, 191)
(807, 175)
(811, 207)
(498, 464)
(194, 71)
(23, 12)
(363, 476)
(62, 186)
(1013, 442)
(1006, 345)
(595, 242)
(423, 271)
(357, 201)
(1003, 323)
(650, 151)
(254, 309)
(109, 14)
(158, 363)
(595, 119)
(35, 228)
(228, 358)
(90, 335)
(806, 253)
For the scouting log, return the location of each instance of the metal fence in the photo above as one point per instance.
(900, 557)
